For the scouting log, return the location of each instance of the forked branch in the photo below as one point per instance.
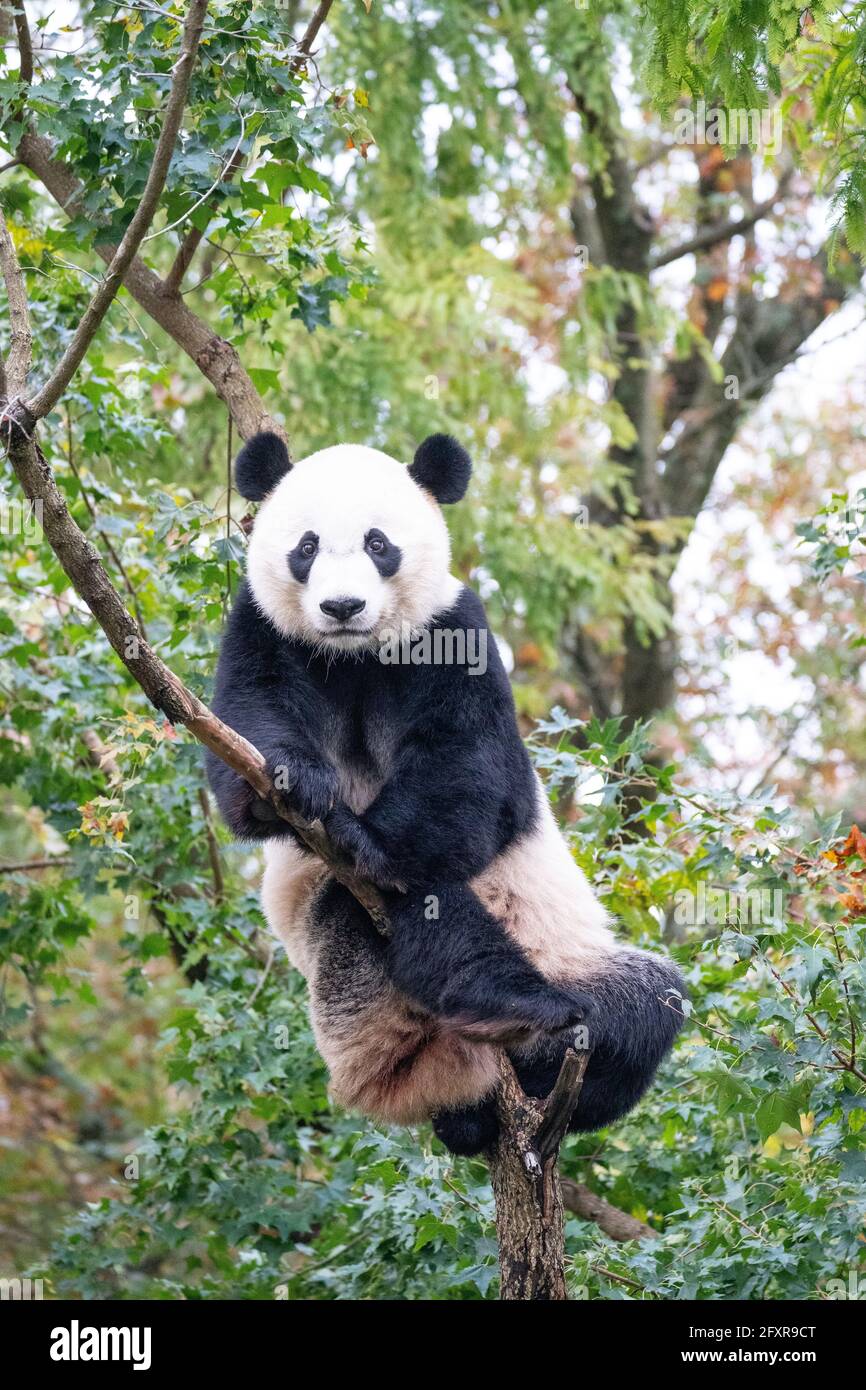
(523, 1171)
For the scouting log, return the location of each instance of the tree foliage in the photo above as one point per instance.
(453, 218)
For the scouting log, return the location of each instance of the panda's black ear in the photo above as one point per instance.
(261, 463)
(443, 467)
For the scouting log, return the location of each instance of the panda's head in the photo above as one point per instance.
(350, 544)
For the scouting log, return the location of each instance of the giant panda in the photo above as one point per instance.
(418, 773)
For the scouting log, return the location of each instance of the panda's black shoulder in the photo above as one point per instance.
(252, 648)
(248, 629)
(467, 611)
(467, 614)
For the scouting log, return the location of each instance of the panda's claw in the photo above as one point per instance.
(307, 785)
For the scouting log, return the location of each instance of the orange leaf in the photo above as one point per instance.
(855, 844)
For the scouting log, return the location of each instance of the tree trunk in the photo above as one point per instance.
(526, 1186)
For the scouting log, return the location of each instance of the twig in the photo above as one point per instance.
(192, 240)
(305, 47)
(261, 980)
(235, 155)
(720, 231)
(561, 1103)
(27, 864)
(617, 1278)
(106, 540)
(558, 1110)
(213, 848)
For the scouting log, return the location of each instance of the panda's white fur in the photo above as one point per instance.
(340, 493)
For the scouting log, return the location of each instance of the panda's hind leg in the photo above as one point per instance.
(637, 1018)
(469, 1130)
(453, 956)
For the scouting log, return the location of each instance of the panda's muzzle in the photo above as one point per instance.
(342, 608)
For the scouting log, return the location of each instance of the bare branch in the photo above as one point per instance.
(768, 336)
(213, 848)
(25, 866)
(305, 47)
(561, 1103)
(25, 44)
(45, 400)
(14, 376)
(721, 231)
(617, 1224)
(194, 236)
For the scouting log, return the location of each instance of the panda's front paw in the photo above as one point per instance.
(572, 1011)
(308, 786)
(352, 838)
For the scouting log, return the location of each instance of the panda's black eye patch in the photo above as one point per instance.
(386, 556)
(302, 557)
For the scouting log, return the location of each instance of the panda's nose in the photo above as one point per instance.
(342, 608)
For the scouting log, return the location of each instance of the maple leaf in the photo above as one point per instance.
(855, 844)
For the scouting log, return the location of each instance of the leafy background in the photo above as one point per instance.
(398, 257)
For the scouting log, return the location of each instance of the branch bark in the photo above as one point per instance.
(526, 1187)
(14, 372)
(619, 1225)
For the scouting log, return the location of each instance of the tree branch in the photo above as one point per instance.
(45, 400)
(215, 358)
(617, 1224)
(13, 374)
(25, 44)
(523, 1172)
(721, 231)
(195, 235)
(766, 339)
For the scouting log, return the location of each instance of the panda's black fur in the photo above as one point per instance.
(455, 794)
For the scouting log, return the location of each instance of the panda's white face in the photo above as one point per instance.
(346, 548)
